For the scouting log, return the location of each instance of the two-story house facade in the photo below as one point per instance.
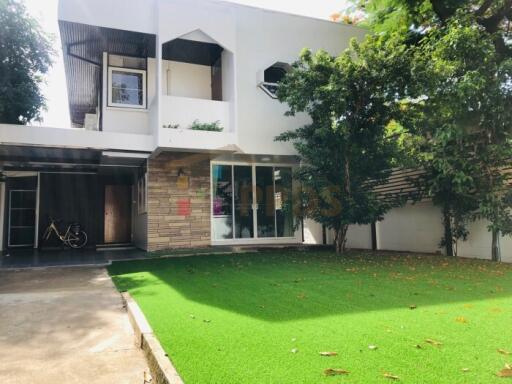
(173, 120)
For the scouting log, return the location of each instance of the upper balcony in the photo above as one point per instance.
(181, 93)
(197, 100)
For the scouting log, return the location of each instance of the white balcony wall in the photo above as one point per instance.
(186, 80)
(184, 110)
(129, 120)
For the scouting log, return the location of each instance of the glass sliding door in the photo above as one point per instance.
(250, 202)
(222, 202)
(244, 217)
(283, 201)
(266, 220)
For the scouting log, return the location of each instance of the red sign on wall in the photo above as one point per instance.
(184, 207)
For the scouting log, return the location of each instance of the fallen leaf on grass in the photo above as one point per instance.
(503, 352)
(412, 306)
(418, 346)
(391, 376)
(372, 347)
(335, 372)
(294, 350)
(505, 372)
(461, 319)
(465, 369)
(328, 353)
(433, 342)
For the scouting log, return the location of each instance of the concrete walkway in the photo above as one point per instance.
(65, 325)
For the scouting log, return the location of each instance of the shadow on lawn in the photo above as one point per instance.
(297, 285)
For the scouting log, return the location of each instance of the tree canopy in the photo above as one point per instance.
(461, 130)
(418, 16)
(346, 149)
(25, 56)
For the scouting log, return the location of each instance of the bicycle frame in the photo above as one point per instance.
(53, 228)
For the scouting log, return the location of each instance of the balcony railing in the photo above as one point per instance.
(178, 115)
(181, 112)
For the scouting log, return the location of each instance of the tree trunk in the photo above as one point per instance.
(496, 255)
(341, 238)
(448, 234)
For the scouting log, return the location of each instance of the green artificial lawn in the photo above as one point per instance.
(265, 317)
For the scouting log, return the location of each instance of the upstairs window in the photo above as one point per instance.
(272, 76)
(126, 82)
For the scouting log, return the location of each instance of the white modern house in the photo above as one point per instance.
(144, 81)
(174, 116)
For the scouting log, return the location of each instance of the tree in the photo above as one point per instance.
(468, 118)
(25, 56)
(418, 16)
(346, 150)
(463, 62)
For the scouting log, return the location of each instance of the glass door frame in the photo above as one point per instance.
(256, 239)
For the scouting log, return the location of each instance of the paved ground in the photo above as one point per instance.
(65, 325)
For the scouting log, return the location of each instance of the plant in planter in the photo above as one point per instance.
(173, 126)
(212, 127)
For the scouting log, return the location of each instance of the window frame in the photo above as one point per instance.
(270, 88)
(142, 192)
(143, 72)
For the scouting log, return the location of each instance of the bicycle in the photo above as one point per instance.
(73, 237)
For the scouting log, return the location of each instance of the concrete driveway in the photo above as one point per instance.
(65, 325)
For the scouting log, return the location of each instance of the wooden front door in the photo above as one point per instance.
(118, 214)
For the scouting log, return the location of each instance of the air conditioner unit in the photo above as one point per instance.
(91, 121)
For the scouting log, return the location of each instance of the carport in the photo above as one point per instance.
(104, 191)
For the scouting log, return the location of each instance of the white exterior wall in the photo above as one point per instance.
(359, 236)
(264, 38)
(506, 249)
(415, 228)
(419, 228)
(312, 232)
(478, 244)
(186, 80)
(253, 40)
(128, 15)
(129, 120)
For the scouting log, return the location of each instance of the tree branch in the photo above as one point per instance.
(492, 23)
(440, 9)
(483, 8)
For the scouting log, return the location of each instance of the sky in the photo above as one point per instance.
(45, 11)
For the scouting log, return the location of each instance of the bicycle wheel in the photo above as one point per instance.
(77, 241)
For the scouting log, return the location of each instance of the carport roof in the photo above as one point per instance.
(34, 158)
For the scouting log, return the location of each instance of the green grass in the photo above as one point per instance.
(237, 318)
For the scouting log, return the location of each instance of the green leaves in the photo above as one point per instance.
(25, 54)
(346, 150)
